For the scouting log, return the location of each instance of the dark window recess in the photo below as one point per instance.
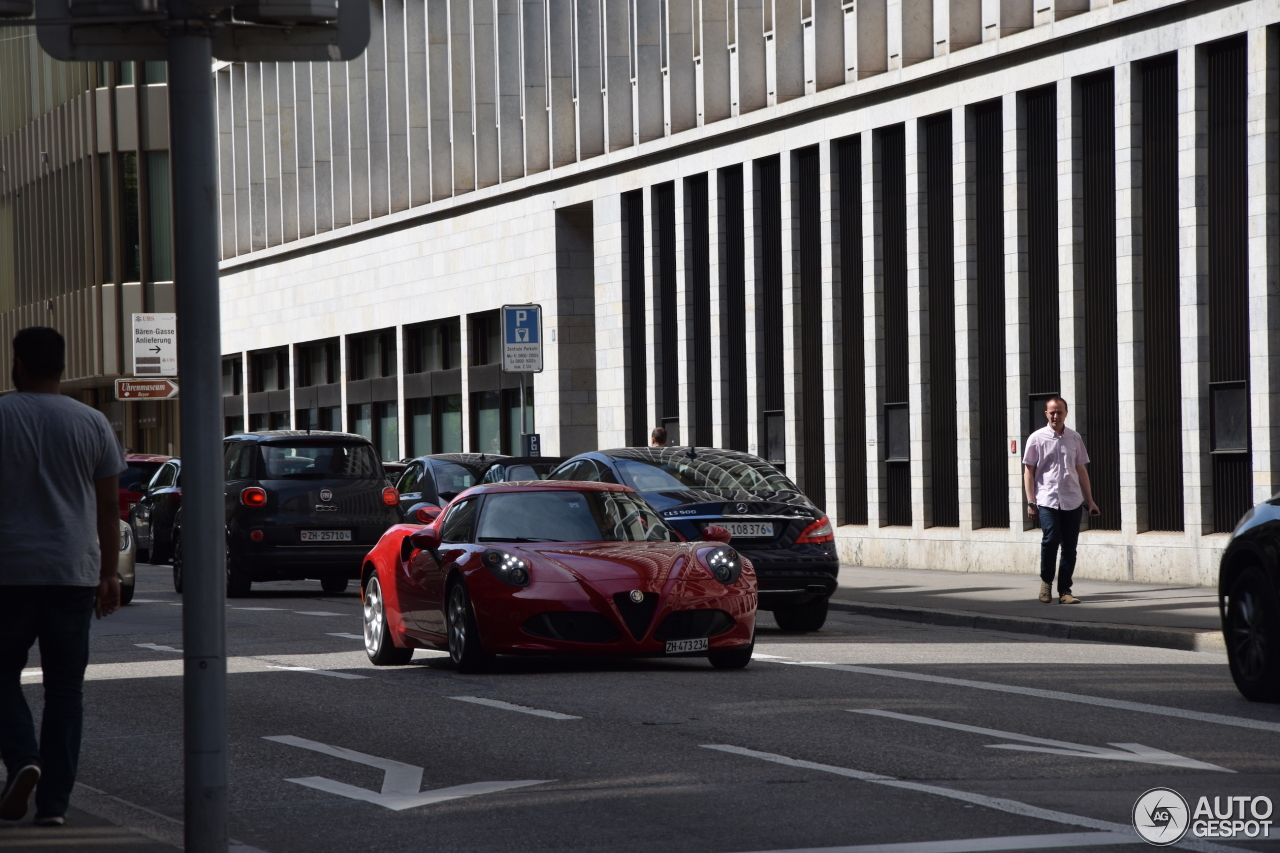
(775, 438)
(993, 467)
(106, 197)
(269, 370)
(232, 377)
(893, 234)
(637, 348)
(371, 356)
(1042, 251)
(130, 227)
(433, 346)
(852, 363)
(1228, 283)
(1160, 296)
(944, 487)
(317, 364)
(733, 333)
(769, 294)
(698, 284)
(485, 338)
(1102, 402)
(664, 210)
(808, 240)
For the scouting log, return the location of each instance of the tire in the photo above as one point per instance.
(802, 618)
(464, 637)
(126, 593)
(161, 554)
(1252, 633)
(334, 584)
(736, 658)
(378, 645)
(177, 565)
(238, 578)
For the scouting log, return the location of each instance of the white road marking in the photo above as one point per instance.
(317, 613)
(156, 648)
(1120, 704)
(1134, 752)
(997, 803)
(322, 664)
(401, 783)
(281, 609)
(347, 636)
(980, 845)
(148, 601)
(523, 709)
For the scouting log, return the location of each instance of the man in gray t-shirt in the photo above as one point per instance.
(60, 466)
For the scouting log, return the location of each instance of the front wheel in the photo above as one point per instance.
(464, 636)
(802, 618)
(1252, 632)
(735, 658)
(377, 632)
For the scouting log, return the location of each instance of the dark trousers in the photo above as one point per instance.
(1060, 527)
(58, 617)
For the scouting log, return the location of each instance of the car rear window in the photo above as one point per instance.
(320, 460)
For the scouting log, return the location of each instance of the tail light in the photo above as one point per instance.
(254, 496)
(390, 496)
(426, 514)
(256, 535)
(819, 531)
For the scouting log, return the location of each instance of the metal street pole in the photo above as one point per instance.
(193, 134)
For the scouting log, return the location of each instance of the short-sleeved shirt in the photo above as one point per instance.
(1055, 458)
(52, 448)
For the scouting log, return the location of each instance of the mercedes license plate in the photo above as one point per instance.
(750, 529)
(326, 535)
(675, 647)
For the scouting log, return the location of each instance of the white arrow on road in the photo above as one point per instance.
(402, 784)
(1134, 752)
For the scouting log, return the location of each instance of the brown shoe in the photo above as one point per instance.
(1044, 593)
(1068, 598)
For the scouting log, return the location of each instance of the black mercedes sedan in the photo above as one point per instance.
(1249, 601)
(787, 538)
(300, 504)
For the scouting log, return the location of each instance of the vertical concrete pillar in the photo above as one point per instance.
(1070, 260)
(716, 276)
(1016, 309)
(792, 381)
(683, 324)
(342, 378)
(873, 323)
(609, 237)
(918, 325)
(464, 348)
(751, 280)
(964, 255)
(652, 353)
(894, 16)
(402, 415)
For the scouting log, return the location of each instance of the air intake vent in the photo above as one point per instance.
(637, 615)
(693, 624)
(573, 626)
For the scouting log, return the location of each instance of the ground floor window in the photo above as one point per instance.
(380, 423)
(325, 418)
(486, 422)
(233, 425)
(434, 425)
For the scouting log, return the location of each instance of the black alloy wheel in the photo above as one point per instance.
(378, 645)
(177, 564)
(1252, 633)
(238, 579)
(802, 618)
(464, 636)
(735, 658)
(334, 584)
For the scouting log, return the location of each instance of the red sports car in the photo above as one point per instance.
(555, 567)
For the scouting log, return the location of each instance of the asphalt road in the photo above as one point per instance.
(975, 735)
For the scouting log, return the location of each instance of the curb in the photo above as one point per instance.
(1183, 639)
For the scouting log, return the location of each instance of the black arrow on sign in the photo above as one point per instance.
(155, 349)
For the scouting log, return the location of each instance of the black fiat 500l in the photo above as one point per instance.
(300, 505)
(1249, 600)
(788, 539)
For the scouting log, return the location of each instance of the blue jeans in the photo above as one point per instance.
(1060, 527)
(59, 618)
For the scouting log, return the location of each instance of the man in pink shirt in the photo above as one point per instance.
(1057, 487)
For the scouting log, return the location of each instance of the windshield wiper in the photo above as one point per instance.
(514, 539)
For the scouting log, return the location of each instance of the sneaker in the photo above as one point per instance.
(1068, 598)
(50, 820)
(13, 802)
(1044, 593)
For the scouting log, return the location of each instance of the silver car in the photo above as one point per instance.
(128, 551)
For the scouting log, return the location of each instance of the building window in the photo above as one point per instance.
(699, 290)
(734, 334)
(106, 199)
(893, 213)
(1042, 251)
(486, 334)
(486, 422)
(380, 423)
(155, 72)
(769, 305)
(258, 422)
(807, 236)
(371, 356)
(160, 213)
(233, 425)
(664, 215)
(433, 346)
(231, 377)
(132, 257)
(316, 364)
(270, 371)
(852, 358)
(434, 425)
(637, 368)
(319, 418)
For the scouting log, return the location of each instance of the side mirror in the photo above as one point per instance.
(426, 539)
(716, 533)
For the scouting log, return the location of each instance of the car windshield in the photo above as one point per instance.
(137, 475)
(452, 478)
(564, 516)
(321, 460)
(677, 472)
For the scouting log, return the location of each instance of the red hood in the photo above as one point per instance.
(651, 562)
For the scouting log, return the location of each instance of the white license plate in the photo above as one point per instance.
(675, 647)
(750, 529)
(326, 535)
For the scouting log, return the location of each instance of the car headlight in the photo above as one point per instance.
(725, 563)
(508, 568)
(126, 538)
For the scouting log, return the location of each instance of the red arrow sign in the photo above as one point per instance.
(146, 389)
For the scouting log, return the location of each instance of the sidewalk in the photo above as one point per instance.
(1176, 617)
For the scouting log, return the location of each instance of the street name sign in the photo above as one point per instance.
(155, 344)
(146, 389)
(522, 338)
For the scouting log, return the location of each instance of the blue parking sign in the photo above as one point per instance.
(522, 338)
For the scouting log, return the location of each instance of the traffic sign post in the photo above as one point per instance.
(155, 344)
(522, 353)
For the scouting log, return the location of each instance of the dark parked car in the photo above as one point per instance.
(788, 539)
(1249, 600)
(156, 512)
(133, 482)
(512, 469)
(300, 505)
(438, 479)
(394, 470)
